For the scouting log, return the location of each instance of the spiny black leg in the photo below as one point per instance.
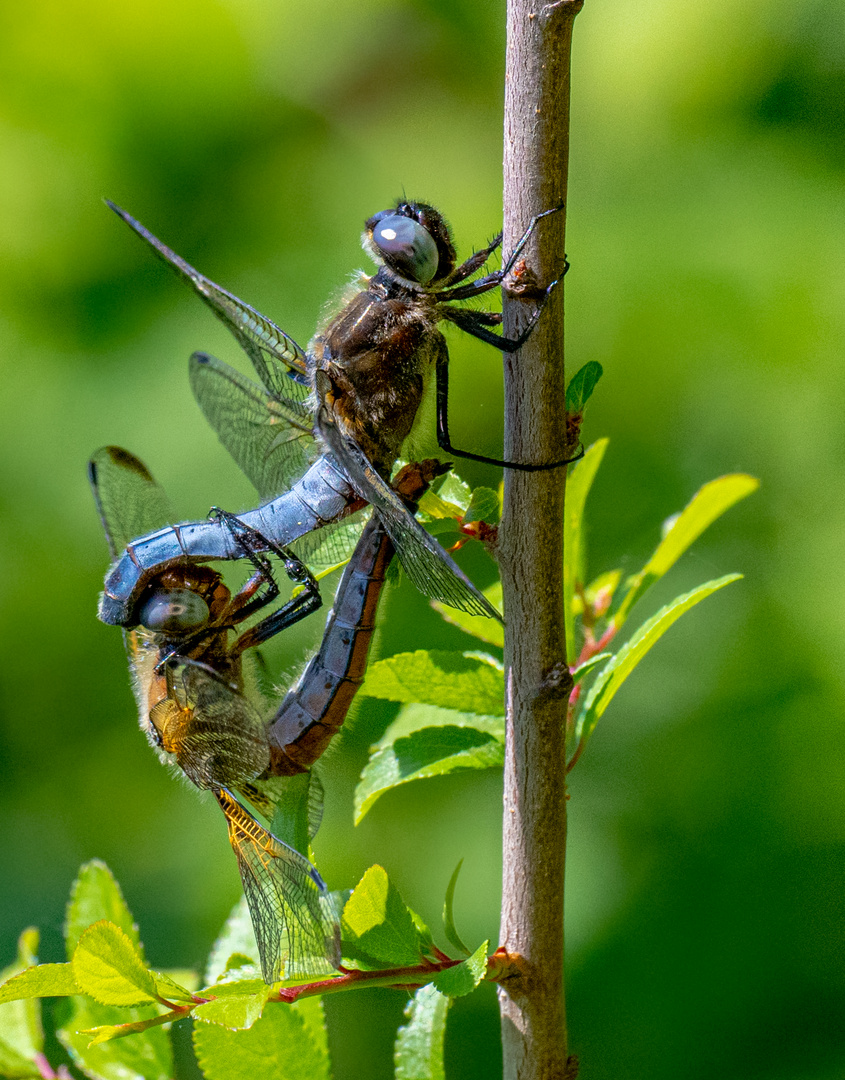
(286, 616)
(254, 544)
(475, 322)
(473, 263)
(523, 240)
(445, 442)
(490, 281)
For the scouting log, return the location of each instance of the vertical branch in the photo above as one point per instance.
(531, 549)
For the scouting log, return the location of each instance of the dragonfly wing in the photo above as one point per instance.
(270, 438)
(129, 501)
(434, 572)
(331, 546)
(218, 736)
(294, 917)
(275, 356)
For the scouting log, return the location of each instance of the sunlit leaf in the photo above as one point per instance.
(168, 988)
(279, 1045)
(578, 485)
(490, 631)
(484, 506)
(581, 386)
(45, 980)
(411, 718)
(377, 924)
(21, 1033)
(709, 503)
(449, 928)
(145, 1056)
(429, 752)
(108, 1032)
(236, 1005)
(583, 670)
(435, 677)
(617, 670)
(455, 490)
(464, 977)
(424, 938)
(95, 895)
(20, 1020)
(418, 1052)
(108, 967)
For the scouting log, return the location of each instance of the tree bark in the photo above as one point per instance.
(532, 1006)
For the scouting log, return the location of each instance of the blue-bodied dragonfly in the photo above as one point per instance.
(196, 708)
(320, 435)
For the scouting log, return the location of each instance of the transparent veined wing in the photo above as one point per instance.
(271, 440)
(276, 357)
(293, 914)
(218, 737)
(434, 572)
(129, 501)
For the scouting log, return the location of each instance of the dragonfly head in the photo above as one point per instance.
(182, 601)
(413, 240)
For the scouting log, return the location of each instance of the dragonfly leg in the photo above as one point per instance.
(444, 439)
(254, 546)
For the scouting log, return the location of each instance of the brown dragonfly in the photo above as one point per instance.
(198, 710)
(321, 433)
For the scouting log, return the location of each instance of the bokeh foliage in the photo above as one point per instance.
(705, 232)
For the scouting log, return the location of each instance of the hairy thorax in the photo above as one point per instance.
(378, 352)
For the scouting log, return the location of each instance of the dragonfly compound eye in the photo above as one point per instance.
(174, 611)
(407, 247)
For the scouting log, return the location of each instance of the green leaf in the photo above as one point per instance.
(452, 935)
(484, 506)
(448, 679)
(236, 1005)
(424, 937)
(168, 988)
(418, 1053)
(411, 718)
(490, 631)
(108, 1032)
(578, 485)
(617, 670)
(290, 819)
(95, 895)
(430, 752)
(377, 925)
(581, 386)
(279, 1045)
(708, 504)
(434, 507)
(185, 978)
(20, 1020)
(145, 1056)
(236, 938)
(455, 490)
(46, 980)
(583, 670)
(464, 977)
(108, 967)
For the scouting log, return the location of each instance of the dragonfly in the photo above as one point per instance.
(196, 708)
(320, 434)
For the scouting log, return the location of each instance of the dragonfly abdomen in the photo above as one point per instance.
(315, 709)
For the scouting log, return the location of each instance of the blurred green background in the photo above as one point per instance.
(706, 233)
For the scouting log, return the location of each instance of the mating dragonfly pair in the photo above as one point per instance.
(318, 438)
